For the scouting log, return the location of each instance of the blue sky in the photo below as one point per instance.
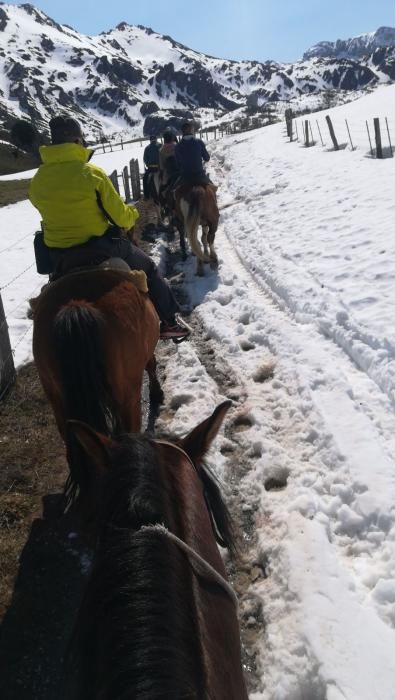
(239, 29)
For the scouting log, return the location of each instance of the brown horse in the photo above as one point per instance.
(94, 334)
(196, 205)
(158, 619)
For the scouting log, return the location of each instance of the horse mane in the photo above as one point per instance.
(133, 634)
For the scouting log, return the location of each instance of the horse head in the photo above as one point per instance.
(159, 617)
(100, 455)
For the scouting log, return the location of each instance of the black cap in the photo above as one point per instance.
(64, 129)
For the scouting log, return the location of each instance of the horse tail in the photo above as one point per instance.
(78, 343)
(220, 517)
(193, 221)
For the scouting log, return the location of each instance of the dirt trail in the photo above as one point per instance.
(248, 568)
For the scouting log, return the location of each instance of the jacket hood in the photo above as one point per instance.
(65, 152)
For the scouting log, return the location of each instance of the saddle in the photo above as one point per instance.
(137, 277)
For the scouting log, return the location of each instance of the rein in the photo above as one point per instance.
(203, 566)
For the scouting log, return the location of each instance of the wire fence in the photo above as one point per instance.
(15, 325)
(376, 137)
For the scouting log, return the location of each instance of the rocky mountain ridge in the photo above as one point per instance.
(353, 48)
(131, 78)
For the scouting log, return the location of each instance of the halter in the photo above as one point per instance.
(203, 566)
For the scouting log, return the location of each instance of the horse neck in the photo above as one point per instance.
(138, 622)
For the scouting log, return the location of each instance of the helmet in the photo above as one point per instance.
(169, 135)
(64, 129)
(153, 138)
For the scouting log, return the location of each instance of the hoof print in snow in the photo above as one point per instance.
(245, 318)
(276, 483)
(243, 422)
(227, 448)
(264, 372)
(180, 400)
(246, 345)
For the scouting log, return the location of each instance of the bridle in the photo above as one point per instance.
(201, 565)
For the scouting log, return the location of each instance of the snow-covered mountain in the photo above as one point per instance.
(132, 78)
(356, 47)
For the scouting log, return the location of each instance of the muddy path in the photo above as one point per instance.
(249, 566)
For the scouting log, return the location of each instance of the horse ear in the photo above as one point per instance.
(93, 444)
(198, 442)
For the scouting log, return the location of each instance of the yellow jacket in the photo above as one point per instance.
(76, 199)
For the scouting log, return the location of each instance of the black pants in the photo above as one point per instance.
(112, 245)
(146, 188)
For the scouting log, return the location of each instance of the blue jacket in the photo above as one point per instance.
(151, 154)
(190, 154)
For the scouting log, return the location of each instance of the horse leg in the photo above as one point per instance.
(159, 220)
(155, 390)
(191, 218)
(200, 268)
(213, 254)
(205, 230)
(181, 231)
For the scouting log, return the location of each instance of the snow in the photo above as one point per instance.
(300, 312)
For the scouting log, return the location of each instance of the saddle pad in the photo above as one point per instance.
(137, 277)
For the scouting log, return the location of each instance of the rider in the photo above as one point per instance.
(151, 162)
(81, 211)
(190, 154)
(167, 159)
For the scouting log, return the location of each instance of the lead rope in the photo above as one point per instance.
(205, 567)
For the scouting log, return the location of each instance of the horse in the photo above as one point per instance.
(94, 334)
(196, 205)
(158, 618)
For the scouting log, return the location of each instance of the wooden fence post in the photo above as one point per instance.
(377, 133)
(114, 180)
(389, 137)
(349, 135)
(306, 133)
(332, 133)
(319, 131)
(370, 140)
(125, 177)
(7, 369)
(288, 121)
(135, 179)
